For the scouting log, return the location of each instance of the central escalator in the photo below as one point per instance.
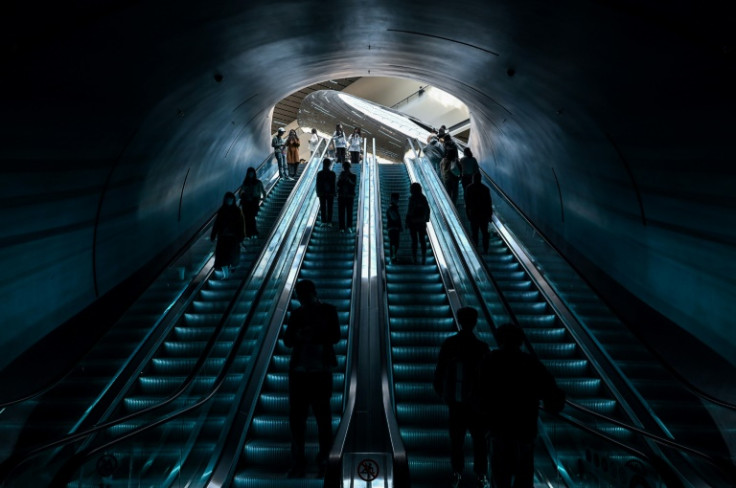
(329, 262)
(420, 319)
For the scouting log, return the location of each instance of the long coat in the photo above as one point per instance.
(292, 151)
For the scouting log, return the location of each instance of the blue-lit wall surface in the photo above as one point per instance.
(611, 124)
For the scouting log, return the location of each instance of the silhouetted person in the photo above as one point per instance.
(312, 330)
(229, 229)
(325, 187)
(434, 150)
(469, 166)
(479, 209)
(417, 216)
(252, 194)
(512, 383)
(346, 183)
(277, 143)
(456, 381)
(393, 224)
(450, 169)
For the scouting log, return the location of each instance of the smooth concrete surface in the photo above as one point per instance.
(611, 124)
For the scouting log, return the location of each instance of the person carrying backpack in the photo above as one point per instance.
(456, 381)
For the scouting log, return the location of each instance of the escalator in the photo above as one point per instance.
(266, 456)
(420, 319)
(170, 365)
(584, 372)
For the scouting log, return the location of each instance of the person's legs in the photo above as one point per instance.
(486, 236)
(414, 233)
(393, 242)
(458, 427)
(354, 157)
(525, 465)
(321, 391)
(298, 410)
(474, 228)
(349, 212)
(281, 160)
(341, 207)
(503, 460)
(330, 203)
(480, 443)
(423, 242)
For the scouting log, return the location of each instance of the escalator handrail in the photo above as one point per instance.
(79, 458)
(198, 234)
(16, 460)
(716, 461)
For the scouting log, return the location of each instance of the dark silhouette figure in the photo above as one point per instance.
(450, 169)
(479, 209)
(434, 150)
(469, 166)
(325, 187)
(417, 216)
(311, 331)
(346, 183)
(512, 384)
(393, 224)
(229, 229)
(252, 194)
(456, 381)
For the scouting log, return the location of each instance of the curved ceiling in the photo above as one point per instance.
(609, 123)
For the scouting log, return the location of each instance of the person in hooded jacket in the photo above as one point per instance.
(252, 194)
(417, 216)
(229, 229)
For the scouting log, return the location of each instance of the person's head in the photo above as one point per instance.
(229, 199)
(250, 173)
(356, 130)
(477, 177)
(415, 189)
(326, 163)
(314, 131)
(447, 138)
(306, 291)
(509, 337)
(338, 128)
(467, 317)
(281, 131)
(346, 166)
(394, 198)
(467, 152)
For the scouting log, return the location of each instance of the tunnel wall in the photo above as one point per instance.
(609, 127)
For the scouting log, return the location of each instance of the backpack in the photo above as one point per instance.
(459, 381)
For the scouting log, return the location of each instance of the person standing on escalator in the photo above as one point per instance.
(311, 332)
(292, 153)
(252, 194)
(417, 216)
(346, 183)
(277, 143)
(229, 230)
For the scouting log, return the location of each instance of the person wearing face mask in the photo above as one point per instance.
(338, 138)
(229, 230)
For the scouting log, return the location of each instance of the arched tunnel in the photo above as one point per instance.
(609, 124)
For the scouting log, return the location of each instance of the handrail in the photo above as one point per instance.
(68, 468)
(13, 461)
(178, 254)
(721, 463)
